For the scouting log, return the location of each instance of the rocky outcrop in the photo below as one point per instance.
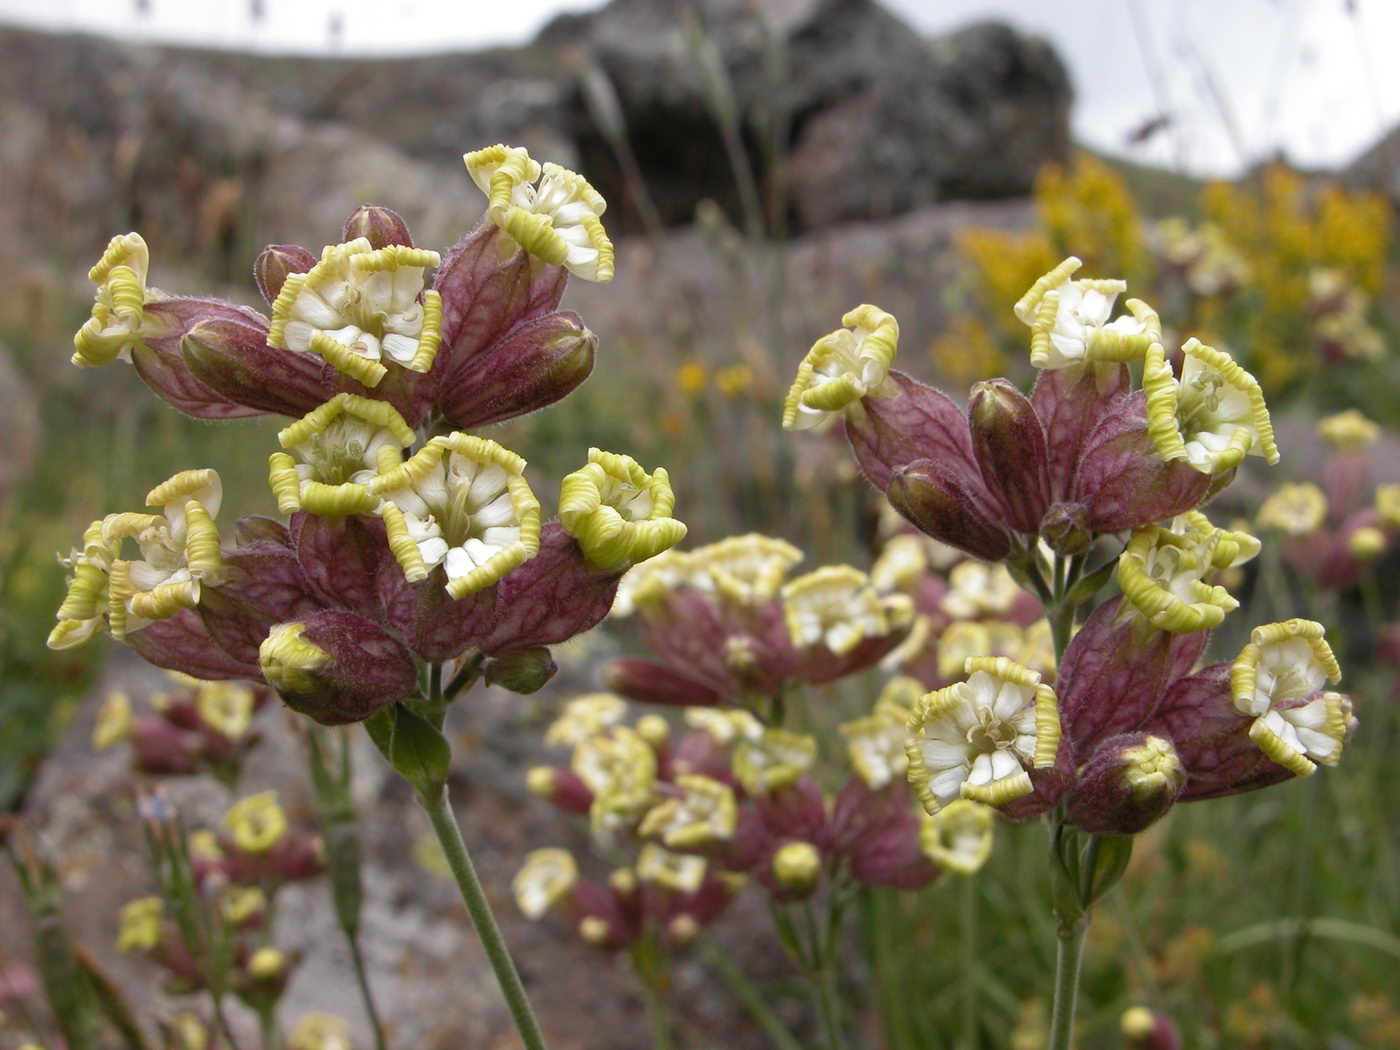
(838, 103)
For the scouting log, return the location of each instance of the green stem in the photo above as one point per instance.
(828, 1002)
(1067, 961)
(449, 836)
(268, 1036)
(749, 996)
(357, 959)
(968, 971)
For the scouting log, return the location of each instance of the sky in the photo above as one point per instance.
(1240, 79)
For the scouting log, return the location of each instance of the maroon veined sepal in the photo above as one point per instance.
(916, 422)
(648, 682)
(230, 356)
(1010, 448)
(944, 503)
(380, 226)
(336, 667)
(183, 643)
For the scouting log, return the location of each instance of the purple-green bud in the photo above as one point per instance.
(1065, 528)
(521, 671)
(336, 667)
(1127, 785)
(1010, 446)
(934, 501)
(1144, 1029)
(276, 263)
(231, 357)
(380, 226)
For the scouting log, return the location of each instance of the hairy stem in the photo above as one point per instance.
(1067, 961)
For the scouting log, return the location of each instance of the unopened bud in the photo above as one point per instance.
(380, 226)
(1367, 543)
(1146, 1030)
(336, 667)
(523, 671)
(561, 787)
(594, 930)
(276, 263)
(1010, 447)
(943, 506)
(682, 930)
(623, 882)
(654, 729)
(1128, 783)
(1065, 529)
(267, 964)
(652, 683)
(796, 868)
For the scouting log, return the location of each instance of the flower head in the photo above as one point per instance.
(977, 589)
(118, 313)
(773, 759)
(1278, 678)
(681, 872)
(256, 823)
(320, 1032)
(358, 307)
(544, 881)
(225, 707)
(978, 738)
(1212, 416)
(553, 213)
(746, 570)
(1294, 509)
(1163, 573)
(619, 513)
(725, 727)
(875, 743)
(1070, 320)
(619, 768)
(959, 836)
(583, 717)
(139, 928)
(842, 367)
(461, 502)
(341, 445)
(1348, 431)
(704, 812)
(179, 552)
(836, 607)
(113, 722)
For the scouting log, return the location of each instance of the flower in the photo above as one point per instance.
(583, 717)
(875, 743)
(977, 589)
(836, 607)
(225, 707)
(842, 367)
(1278, 678)
(704, 812)
(1212, 416)
(1348, 431)
(796, 867)
(1294, 509)
(619, 768)
(342, 445)
(113, 722)
(359, 306)
(320, 1032)
(977, 738)
(256, 823)
(959, 836)
(1163, 572)
(139, 929)
(552, 212)
(544, 881)
(1069, 320)
(118, 313)
(681, 872)
(746, 570)
(461, 502)
(773, 759)
(180, 551)
(618, 512)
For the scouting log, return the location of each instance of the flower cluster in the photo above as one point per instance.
(702, 811)
(409, 540)
(1052, 485)
(727, 625)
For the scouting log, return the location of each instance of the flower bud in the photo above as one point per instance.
(521, 671)
(561, 787)
(1065, 528)
(1127, 785)
(1010, 447)
(796, 868)
(931, 497)
(1145, 1030)
(336, 667)
(653, 683)
(230, 356)
(1367, 543)
(380, 226)
(275, 263)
